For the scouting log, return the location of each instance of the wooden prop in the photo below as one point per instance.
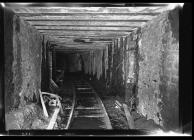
(53, 119)
(43, 105)
(130, 120)
(57, 101)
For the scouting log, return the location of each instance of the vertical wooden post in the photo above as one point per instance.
(130, 120)
(125, 63)
(131, 71)
(54, 63)
(50, 64)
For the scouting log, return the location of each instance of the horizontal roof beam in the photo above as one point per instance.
(66, 4)
(85, 33)
(78, 44)
(89, 17)
(84, 28)
(61, 26)
(88, 9)
(74, 41)
(89, 23)
(72, 50)
(61, 46)
(109, 36)
(89, 14)
(84, 36)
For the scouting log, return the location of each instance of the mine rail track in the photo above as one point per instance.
(87, 110)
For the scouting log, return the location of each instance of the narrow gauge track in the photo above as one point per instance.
(87, 110)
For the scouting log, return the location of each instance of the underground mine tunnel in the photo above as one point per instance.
(89, 67)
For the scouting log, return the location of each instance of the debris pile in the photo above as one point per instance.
(127, 118)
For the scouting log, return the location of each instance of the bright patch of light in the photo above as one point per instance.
(18, 4)
(170, 133)
(116, 107)
(24, 3)
(2, 4)
(174, 5)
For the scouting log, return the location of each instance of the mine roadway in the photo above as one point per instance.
(65, 62)
(87, 110)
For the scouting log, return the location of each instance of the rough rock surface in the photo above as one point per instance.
(158, 70)
(23, 61)
(27, 117)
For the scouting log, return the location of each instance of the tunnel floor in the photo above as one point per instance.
(89, 111)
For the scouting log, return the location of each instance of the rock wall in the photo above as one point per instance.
(158, 77)
(22, 62)
(8, 51)
(26, 118)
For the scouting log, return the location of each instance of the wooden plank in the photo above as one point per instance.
(88, 17)
(79, 40)
(130, 120)
(84, 36)
(52, 95)
(58, 46)
(84, 32)
(43, 105)
(81, 47)
(71, 49)
(62, 51)
(89, 9)
(65, 51)
(95, 14)
(85, 48)
(75, 46)
(53, 119)
(89, 23)
(93, 42)
(87, 31)
(78, 44)
(72, 41)
(61, 26)
(84, 28)
(66, 4)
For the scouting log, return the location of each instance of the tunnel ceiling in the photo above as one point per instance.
(86, 27)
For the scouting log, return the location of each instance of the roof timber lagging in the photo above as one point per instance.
(85, 28)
